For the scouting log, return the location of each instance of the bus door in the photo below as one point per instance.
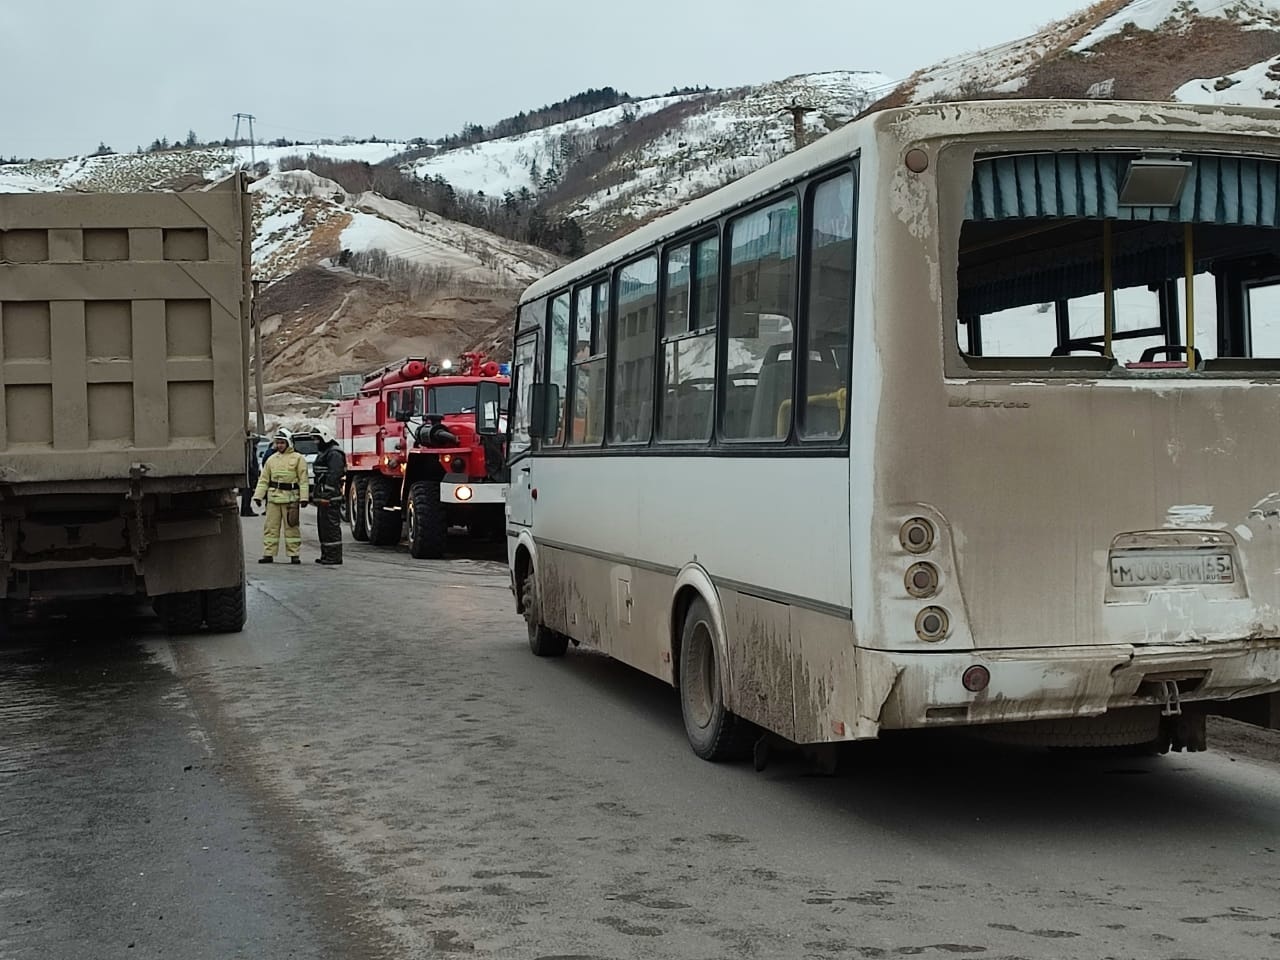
(524, 373)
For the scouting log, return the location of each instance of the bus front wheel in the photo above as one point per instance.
(543, 641)
(714, 732)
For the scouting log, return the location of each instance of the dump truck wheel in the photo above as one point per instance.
(180, 612)
(225, 609)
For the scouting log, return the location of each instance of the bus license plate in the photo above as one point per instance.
(1171, 569)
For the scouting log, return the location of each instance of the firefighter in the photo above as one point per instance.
(283, 484)
(330, 467)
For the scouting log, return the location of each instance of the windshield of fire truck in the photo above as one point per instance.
(458, 398)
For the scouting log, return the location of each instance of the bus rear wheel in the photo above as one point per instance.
(714, 732)
(543, 641)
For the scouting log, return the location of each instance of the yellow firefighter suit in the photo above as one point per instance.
(283, 484)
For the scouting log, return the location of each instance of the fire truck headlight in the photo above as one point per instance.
(462, 492)
(446, 364)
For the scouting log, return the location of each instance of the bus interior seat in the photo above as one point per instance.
(737, 406)
(773, 389)
(824, 414)
(772, 407)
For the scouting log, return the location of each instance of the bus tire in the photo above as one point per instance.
(356, 490)
(714, 732)
(384, 526)
(543, 641)
(428, 527)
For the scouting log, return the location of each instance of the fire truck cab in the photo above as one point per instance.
(425, 442)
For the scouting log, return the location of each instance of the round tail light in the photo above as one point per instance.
(932, 624)
(922, 580)
(976, 678)
(917, 535)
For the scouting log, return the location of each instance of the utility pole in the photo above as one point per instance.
(797, 121)
(253, 155)
(257, 357)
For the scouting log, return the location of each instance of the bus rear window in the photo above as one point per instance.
(1061, 268)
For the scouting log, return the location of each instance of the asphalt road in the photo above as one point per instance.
(379, 768)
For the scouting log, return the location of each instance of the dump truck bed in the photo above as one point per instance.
(123, 336)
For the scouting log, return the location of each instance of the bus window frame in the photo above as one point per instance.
(950, 195)
(591, 284)
(800, 401)
(611, 351)
(693, 240)
(715, 445)
(794, 191)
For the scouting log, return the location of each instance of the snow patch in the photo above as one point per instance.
(1255, 86)
(519, 162)
(1153, 14)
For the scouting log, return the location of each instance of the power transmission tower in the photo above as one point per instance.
(253, 155)
(797, 121)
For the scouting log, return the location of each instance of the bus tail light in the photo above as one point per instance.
(917, 535)
(922, 580)
(932, 624)
(976, 678)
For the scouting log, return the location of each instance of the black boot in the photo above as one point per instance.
(266, 559)
(295, 560)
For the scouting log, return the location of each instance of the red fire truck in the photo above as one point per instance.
(424, 442)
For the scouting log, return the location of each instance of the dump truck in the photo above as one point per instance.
(124, 325)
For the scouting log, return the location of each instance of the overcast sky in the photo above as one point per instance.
(76, 72)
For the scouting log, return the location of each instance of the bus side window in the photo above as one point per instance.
(559, 365)
(762, 298)
(393, 404)
(829, 329)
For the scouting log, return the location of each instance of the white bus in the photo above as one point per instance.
(965, 415)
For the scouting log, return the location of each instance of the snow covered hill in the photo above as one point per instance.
(1201, 51)
(621, 166)
(118, 172)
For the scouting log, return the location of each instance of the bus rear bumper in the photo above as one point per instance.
(928, 689)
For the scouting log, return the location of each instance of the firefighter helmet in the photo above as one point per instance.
(325, 434)
(283, 434)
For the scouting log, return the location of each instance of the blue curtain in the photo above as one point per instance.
(1219, 190)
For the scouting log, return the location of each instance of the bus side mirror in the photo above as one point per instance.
(488, 398)
(544, 405)
(404, 416)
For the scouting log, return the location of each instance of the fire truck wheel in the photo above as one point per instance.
(428, 527)
(384, 525)
(356, 490)
(543, 641)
